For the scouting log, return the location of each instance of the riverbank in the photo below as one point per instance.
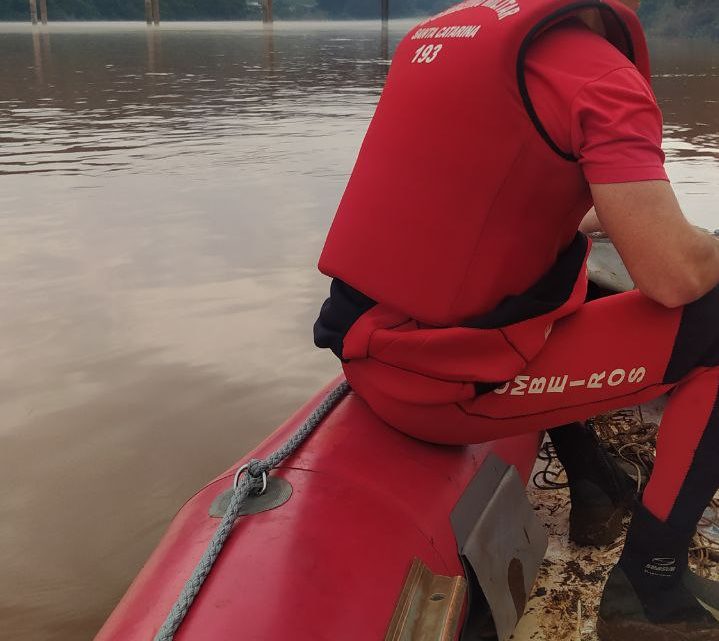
(687, 18)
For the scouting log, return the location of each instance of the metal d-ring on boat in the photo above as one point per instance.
(244, 468)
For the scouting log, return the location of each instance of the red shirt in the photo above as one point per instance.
(595, 104)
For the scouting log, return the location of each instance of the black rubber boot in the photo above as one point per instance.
(646, 597)
(601, 492)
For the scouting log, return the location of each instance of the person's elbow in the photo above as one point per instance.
(687, 282)
(674, 295)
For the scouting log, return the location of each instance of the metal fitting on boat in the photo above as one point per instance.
(246, 468)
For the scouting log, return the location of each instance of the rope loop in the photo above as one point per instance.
(257, 468)
(253, 480)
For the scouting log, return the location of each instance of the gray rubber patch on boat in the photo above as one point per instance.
(278, 492)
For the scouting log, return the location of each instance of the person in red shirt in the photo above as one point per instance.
(493, 338)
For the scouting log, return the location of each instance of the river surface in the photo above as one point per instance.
(164, 195)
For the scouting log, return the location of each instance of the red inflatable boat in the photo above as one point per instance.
(367, 535)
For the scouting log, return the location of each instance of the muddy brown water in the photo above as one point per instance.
(163, 199)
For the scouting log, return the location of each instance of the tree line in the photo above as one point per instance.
(668, 17)
(681, 17)
(220, 9)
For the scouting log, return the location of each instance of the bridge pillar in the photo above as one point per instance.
(267, 11)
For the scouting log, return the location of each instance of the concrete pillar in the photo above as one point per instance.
(43, 11)
(148, 12)
(33, 11)
(156, 12)
(267, 11)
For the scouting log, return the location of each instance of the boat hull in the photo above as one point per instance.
(329, 563)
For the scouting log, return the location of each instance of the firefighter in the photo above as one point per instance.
(458, 301)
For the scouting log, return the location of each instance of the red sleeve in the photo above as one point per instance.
(617, 129)
(593, 102)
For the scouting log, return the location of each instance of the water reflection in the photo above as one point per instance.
(153, 49)
(384, 41)
(193, 86)
(687, 85)
(269, 37)
(165, 194)
(81, 528)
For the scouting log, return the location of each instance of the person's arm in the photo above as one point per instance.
(669, 260)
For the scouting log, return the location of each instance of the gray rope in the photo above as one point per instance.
(248, 482)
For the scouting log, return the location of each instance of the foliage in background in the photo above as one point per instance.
(370, 8)
(132, 9)
(667, 17)
(682, 17)
(219, 9)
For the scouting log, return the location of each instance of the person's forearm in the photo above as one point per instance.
(669, 260)
(706, 263)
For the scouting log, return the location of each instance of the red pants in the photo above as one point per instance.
(614, 352)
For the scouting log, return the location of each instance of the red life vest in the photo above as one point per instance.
(460, 202)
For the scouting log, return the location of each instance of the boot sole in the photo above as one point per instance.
(629, 630)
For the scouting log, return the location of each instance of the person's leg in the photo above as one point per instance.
(601, 492)
(687, 460)
(612, 353)
(649, 583)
